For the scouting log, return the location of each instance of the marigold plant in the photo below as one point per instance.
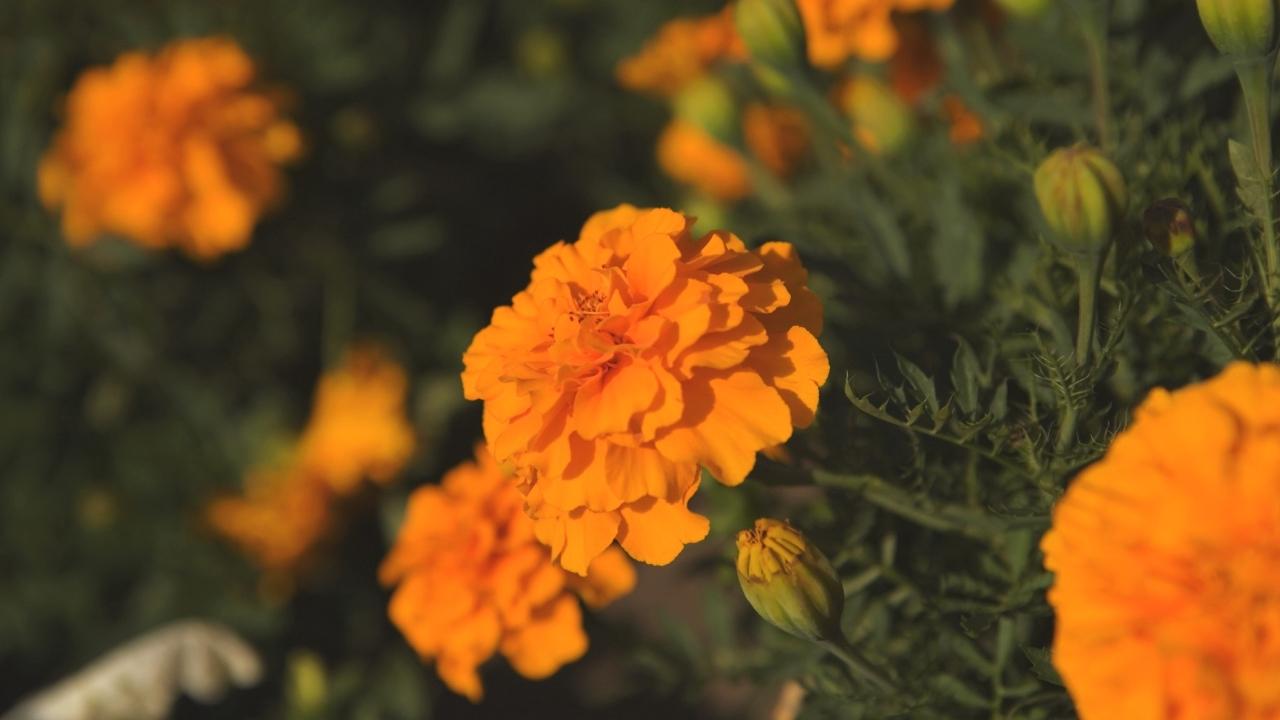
(1163, 553)
(472, 580)
(358, 427)
(172, 149)
(636, 355)
(692, 156)
(680, 52)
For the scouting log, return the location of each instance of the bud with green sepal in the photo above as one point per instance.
(1083, 198)
(1241, 29)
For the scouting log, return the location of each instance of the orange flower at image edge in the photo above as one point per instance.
(1164, 555)
(473, 580)
(841, 29)
(169, 150)
(636, 355)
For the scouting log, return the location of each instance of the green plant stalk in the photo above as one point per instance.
(859, 667)
(1255, 82)
(1095, 25)
(1088, 275)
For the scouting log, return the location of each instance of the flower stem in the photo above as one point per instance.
(859, 667)
(1255, 82)
(1095, 25)
(1088, 272)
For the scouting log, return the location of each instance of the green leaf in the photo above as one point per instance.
(1042, 665)
(966, 374)
(1252, 189)
(922, 383)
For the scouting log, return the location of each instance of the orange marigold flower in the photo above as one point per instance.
(915, 68)
(690, 155)
(283, 514)
(840, 29)
(1164, 555)
(171, 149)
(777, 135)
(358, 427)
(680, 52)
(473, 580)
(966, 126)
(636, 355)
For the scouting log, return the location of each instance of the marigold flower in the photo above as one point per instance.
(690, 155)
(358, 427)
(283, 514)
(680, 52)
(636, 355)
(840, 29)
(473, 580)
(965, 126)
(171, 149)
(788, 580)
(916, 67)
(1166, 591)
(777, 135)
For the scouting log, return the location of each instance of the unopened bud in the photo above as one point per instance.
(1168, 227)
(1083, 197)
(788, 581)
(709, 104)
(1024, 8)
(772, 31)
(882, 122)
(1240, 28)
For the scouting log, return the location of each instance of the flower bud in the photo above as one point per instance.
(709, 104)
(1240, 28)
(772, 31)
(882, 122)
(1168, 227)
(1083, 197)
(788, 581)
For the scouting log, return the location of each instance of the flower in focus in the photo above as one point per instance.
(789, 581)
(473, 580)
(637, 355)
(692, 156)
(358, 427)
(174, 149)
(841, 29)
(1166, 591)
(680, 52)
(777, 135)
(284, 512)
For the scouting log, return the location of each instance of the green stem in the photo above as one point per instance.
(1095, 36)
(1088, 272)
(858, 666)
(1255, 82)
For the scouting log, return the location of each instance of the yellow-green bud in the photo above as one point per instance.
(1024, 8)
(882, 122)
(708, 103)
(1240, 28)
(1168, 227)
(788, 581)
(1083, 197)
(772, 31)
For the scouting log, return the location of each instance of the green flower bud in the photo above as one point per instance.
(1240, 28)
(882, 122)
(790, 582)
(772, 31)
(1083, 197)
(709, 104)
(1168, 227)
(1024, 8)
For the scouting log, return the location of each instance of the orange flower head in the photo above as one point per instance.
(282, 516)
(840, 29)
(358, 427)
(966, 127)
(172, 149)
(691, 156)
(637, 355)
(682, 51)
(1164, 554)
(777, 135)
(473, 580)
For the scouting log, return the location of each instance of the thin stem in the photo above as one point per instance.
(1088, 271)
(1095, 29)
(1255, 82)
(859, 667)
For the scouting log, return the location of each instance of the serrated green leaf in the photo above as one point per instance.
(966, 374)
(920, 382)
(1042, 665)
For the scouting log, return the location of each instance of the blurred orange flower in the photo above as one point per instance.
(473, 580)
(966, 126)
(777, 135)
(171, 149)
(283, 514)
(358, 427)
(680, 52)
(840, 29)
(636, 355)
(1164, 555)
(690, 155)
